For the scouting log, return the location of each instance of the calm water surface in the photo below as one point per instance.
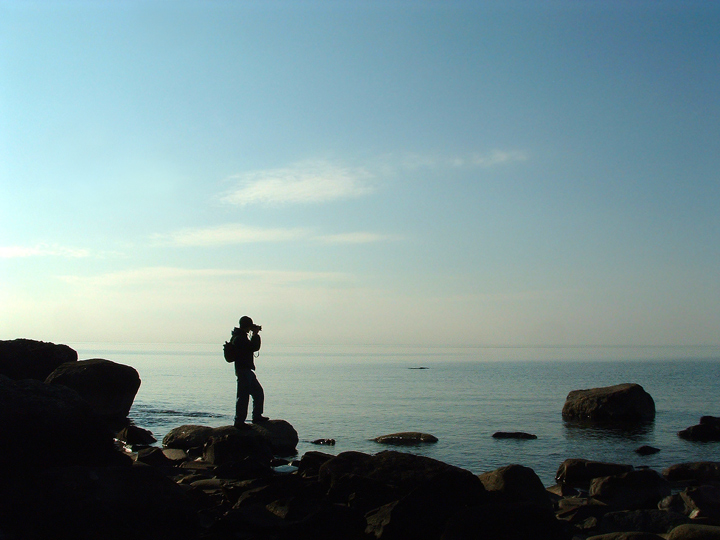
(355, 394)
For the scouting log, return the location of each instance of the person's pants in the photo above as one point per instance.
(248, 385)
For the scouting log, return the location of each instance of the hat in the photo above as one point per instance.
(245, 322)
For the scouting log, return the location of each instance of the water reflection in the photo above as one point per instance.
(618, 431)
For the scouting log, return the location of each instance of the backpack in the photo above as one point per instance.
(231, 352)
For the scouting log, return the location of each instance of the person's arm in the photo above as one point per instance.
(255, 342)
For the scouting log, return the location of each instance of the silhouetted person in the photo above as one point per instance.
(245, 345)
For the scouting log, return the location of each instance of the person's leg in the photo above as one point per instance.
(258, 395)
(244, 384)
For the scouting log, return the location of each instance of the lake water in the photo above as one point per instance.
(355, 394)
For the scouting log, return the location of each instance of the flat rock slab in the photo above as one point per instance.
(406, 438)
(513, 435)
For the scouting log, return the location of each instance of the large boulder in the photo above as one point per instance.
(518, 484)
(228, 444)
(620, 403)
(44, 425)
(187, 436)
(693, 472)
(580, 472)
(281, 436)
(109, 387)
(30, 359)
(632, 490)
(694, 532)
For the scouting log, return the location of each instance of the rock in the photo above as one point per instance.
(631, 490)
(694, 532)
(153, 456)
(311, 462)
(134, 435)
(325, 442)
(424, 511)
(232, 445)
(626, 536)
(702, 503)
(42, 425)
(708, 430)
(517, 484)
(513, 435)
(30, 359)
(580, 472)
(281, 436)
(84, 503)
(619, 403)
(187, 436)
(521, 521)
(407, 438)
(109, 387)
(698, 471)
(647, 450)
(175, 455)
(649, 521)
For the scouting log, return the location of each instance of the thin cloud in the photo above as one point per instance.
(303, 183)
(42, 250)
(356, 238)
(233, 233)
(391, 163)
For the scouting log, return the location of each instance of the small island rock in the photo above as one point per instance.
(406, 438)
(620, 403)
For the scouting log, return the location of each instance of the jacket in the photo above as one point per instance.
(246, 348)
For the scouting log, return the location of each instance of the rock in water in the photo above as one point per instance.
(280, 434)
(30, 359)
(620, 403)
(110, 388)
(708, 430)
(187, 436)
(513, 435)
(406, 438)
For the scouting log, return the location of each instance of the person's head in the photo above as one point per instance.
(246, 323)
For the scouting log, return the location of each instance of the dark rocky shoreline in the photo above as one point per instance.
(76, 468)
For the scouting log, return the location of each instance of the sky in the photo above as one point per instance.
(421, 173)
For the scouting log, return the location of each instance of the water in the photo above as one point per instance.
(355, 394)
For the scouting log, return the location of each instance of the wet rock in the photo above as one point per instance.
(134, 435)
(187, 437)
(649, 521)
(310, 463)
(513, 435)
(580, 472)
(638, 489)
(697, 471)
(518, 484)
(44, 426)
(620, 403)
(324, 442)
(647, 450)
(110, 388)
(281, 436)
(407, 438)
(694, 532)
(153, 456)
(30, 359)
(708, 430)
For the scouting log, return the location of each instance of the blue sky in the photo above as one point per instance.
(410, 173)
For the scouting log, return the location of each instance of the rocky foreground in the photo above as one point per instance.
(74, 469)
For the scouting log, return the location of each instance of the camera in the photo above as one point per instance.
(256, 328)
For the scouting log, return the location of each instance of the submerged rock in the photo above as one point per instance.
(406, 438)
(513, 435)
(30, 359)
(708, 430)
(620, 403)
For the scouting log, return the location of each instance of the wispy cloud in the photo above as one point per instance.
(237, 233)
(413, 161)
(356, 238)
(303, 183)
(41, 250)
(232, 233)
